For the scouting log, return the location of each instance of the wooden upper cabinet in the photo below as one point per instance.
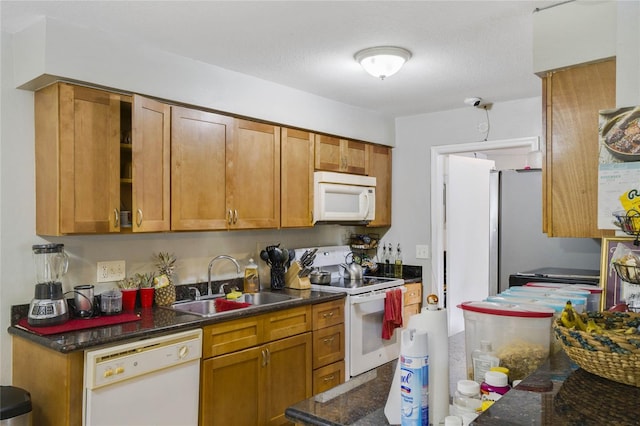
(198, 169)
(98, 153)
(77, 136)
(151, 165)
(296, 179)
(572, 99)
(225, 173)
(380, 168)
(340, 155)
(253, 176)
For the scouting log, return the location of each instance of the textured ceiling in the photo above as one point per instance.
(460, 48)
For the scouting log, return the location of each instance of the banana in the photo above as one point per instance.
(568, 316)
(579, 322)
(592, 327)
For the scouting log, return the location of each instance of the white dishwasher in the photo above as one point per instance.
(148, 382)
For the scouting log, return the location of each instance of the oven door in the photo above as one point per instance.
(367, 348)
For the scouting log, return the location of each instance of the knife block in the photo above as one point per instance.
(292, 280)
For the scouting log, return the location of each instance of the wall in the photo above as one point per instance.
(56, 49)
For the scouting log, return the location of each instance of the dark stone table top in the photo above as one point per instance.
(153, 322)
(558, 394)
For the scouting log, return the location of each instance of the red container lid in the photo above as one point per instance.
(506, 310)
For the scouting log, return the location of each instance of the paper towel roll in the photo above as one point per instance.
(434, 322)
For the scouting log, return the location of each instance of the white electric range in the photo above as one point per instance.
(365, 349)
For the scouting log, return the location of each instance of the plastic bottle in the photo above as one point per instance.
(251, 278)
(466, 398)
(397, 270)
(483, 359)
(414, 378)
(384, 260)
(494, 386)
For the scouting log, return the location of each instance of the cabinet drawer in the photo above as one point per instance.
(327, 377)
(408, 311)
(231, 336)
(413, 294)
(328, 345)
(290, 322)
(328, 314)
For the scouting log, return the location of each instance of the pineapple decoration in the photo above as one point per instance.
(163, 282)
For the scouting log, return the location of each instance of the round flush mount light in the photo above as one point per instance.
(383, 61)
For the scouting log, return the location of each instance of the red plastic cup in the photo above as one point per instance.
(129, 299)
(146, 297)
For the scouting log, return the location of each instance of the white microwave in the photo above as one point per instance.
(343, 198)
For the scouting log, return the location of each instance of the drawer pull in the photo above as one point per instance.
(329, 315)
(329, 378)
(329, 340)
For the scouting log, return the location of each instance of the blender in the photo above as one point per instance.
(49, 307)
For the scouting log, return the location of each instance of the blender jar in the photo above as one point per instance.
(51, 262)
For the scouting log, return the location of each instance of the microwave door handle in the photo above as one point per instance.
(366, 211)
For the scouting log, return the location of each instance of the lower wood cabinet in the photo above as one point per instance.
(254, 368)
(53, 379)
(255, 386)
(412, 301)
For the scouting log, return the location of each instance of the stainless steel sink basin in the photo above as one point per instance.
(266, 298)
(207, 307)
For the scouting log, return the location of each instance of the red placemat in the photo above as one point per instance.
(79, 324)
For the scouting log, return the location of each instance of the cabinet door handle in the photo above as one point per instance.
(268, 355)
(139, 219)
(230, 218)
(264, 358)
(235, 216)
(116, 218)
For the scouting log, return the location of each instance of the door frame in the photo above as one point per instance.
(438, 156)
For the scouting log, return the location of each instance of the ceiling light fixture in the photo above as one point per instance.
(383, 61)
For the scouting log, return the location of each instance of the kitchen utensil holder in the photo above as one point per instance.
(277, 277)
(292, 280)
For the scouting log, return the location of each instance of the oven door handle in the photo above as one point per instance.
(366, 298)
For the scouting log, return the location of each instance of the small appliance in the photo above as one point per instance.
(343, 198)
(49, 306)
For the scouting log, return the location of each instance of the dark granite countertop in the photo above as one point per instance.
(154, 321)
(558, 393)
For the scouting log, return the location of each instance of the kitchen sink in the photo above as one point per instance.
(208, 308)
(266, 298)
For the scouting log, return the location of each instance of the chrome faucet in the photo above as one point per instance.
(214, 260)
(196, 293)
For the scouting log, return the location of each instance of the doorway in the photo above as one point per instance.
(518, 151)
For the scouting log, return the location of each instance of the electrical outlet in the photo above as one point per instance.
(422, 252)
(111, 271)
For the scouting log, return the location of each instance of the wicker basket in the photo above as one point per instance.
(612, 354)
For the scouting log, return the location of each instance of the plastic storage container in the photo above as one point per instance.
(579, 301)
(520, 334)
(593, 299)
